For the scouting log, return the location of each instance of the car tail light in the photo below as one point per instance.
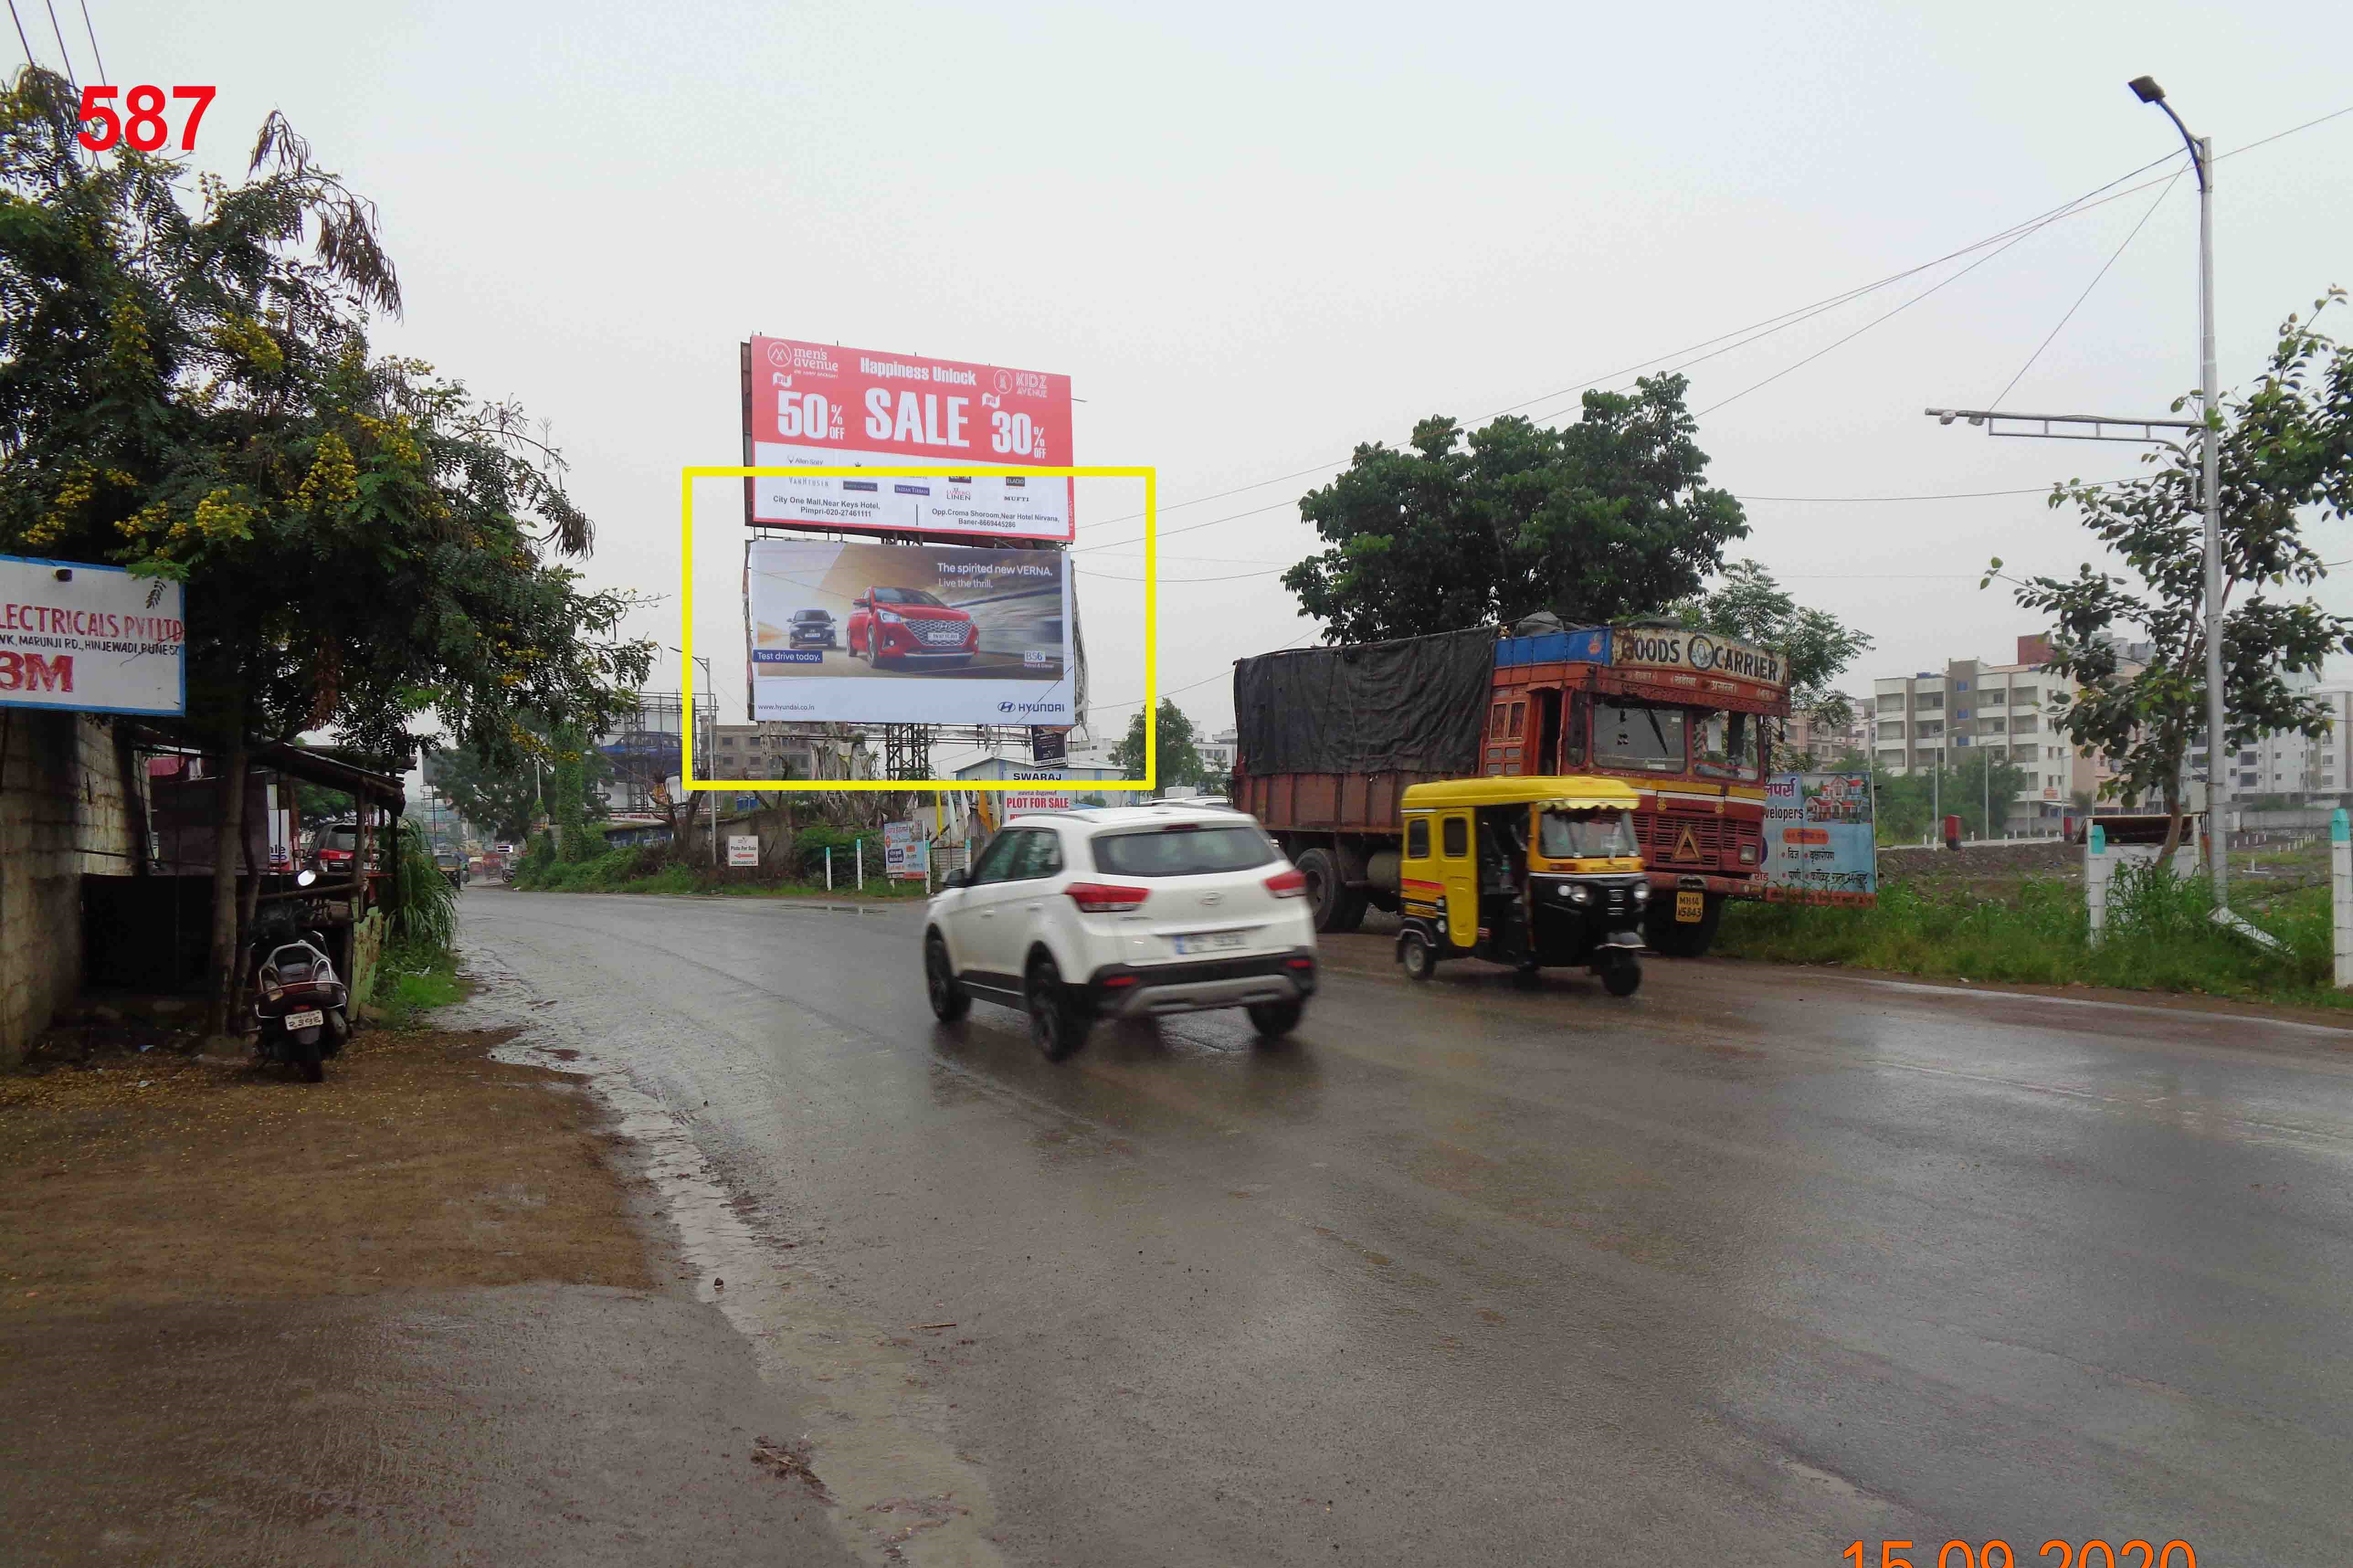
(1118, 982)
(1288, 884)
(1103, 898)
(1299, 963)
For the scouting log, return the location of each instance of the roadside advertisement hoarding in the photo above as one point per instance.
(859, 633)
(90, 639)
(902, 852)
(817, 405)
(1818, 842)
(743, 849)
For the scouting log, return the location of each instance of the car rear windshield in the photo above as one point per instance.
(341, 839)
(1182, 850)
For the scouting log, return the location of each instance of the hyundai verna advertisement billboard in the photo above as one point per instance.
(858, 633)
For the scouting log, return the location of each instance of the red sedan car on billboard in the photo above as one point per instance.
(902, 625)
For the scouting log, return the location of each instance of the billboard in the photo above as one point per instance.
(90, 639)
(1818, 842)
(817, 404)
(855, 634)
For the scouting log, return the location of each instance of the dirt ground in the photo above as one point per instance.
(414, 1314)
(141, 1179)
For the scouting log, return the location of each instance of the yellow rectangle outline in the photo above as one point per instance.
(1151, 477)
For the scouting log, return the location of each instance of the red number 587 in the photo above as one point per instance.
(143, 127)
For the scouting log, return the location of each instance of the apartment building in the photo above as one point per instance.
(1934, 719)
(1825, 744)
(2295, 766)
(763, 751)
(1218, 752)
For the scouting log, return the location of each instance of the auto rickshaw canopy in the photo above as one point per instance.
(1579, 793)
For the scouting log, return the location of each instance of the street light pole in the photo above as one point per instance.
(2201, 154)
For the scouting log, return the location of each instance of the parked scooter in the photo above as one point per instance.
(300, 1004)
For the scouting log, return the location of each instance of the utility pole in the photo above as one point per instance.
(2202, 158)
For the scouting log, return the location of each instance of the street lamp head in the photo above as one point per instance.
(2144, 88)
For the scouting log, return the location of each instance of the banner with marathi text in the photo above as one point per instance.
(1819, 843)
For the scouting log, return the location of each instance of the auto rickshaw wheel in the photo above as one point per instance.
(1528, 977)
(1622, 975)
(1415, 953)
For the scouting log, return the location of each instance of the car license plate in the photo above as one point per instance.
(1211, 941)
(311, 1020)
(1691, 907)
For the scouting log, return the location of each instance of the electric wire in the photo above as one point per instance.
(1995, 402)
(1748, 334)
(2097, 198)
(65, 53)
(93, 42)
(29, 61)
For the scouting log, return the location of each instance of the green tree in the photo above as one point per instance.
(1180, 763)
(508, 798)
(185, 388)
(1750, 606)
(2285, 448)
(1598, 521)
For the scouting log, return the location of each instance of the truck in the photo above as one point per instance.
(1329, 738)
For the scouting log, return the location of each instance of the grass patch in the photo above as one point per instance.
(414, 980)
(2159, 938)
(649, 870)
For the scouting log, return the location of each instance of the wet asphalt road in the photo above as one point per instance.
(1749, 1267)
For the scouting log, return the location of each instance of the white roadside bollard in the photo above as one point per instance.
(2340, 888)
(828, 868)
(862, 864)
(2096, 867)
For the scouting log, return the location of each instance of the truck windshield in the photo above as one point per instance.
(1729, 744)
(1638, 737)
(1182, 850)
(1585, 835)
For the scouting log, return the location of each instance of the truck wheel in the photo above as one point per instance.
(1682, 938)
(1327, 894)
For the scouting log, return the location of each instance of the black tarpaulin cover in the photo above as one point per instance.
(1415, 706)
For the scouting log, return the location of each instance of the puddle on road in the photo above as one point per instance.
(880, 1444)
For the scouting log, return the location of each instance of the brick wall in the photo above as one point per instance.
(62, 815)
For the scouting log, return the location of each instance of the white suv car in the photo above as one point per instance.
(1124, 912)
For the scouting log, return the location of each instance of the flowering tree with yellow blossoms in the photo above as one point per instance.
(186, 389)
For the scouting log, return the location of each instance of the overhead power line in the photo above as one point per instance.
(93, 42)
(2098, 196)
(29, 60)
(1995, 402)
(63, 52)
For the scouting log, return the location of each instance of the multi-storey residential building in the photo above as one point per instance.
(1933, 718)
(2292, 765)
(762, 751)
(1218, 752)
(1825, 744)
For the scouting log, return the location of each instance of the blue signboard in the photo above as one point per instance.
(1819, 843)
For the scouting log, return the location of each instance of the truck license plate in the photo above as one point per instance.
(1209, 941)
(311, 1020)
(1691, 907)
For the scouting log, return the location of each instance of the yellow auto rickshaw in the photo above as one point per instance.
(1532, 872)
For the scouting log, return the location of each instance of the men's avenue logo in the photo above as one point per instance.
(1698, 651)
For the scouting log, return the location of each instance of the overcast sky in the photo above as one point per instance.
(1254, 236)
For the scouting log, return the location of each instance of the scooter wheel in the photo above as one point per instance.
(306, 1057)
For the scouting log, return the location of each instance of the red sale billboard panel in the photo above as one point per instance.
(817, 405)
